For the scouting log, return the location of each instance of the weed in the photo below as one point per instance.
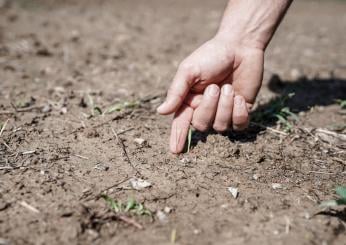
(189, 139)
(342, 103)
(341, 191)
(279, 112)
(130, 207)
(122, 106)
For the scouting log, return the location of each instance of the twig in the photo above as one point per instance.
(28, 152)
(3, 127)
(87, 198)
(6, 112)
(122, 145)
(83, 157)
(8, 147)
(28, 206)
(130, 221)
(26, 109)
(269, 128)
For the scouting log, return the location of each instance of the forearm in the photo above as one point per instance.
(252, 22)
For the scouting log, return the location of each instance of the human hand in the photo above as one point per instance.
(215, 86)
(218, 83)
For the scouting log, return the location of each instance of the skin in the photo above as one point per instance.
(216, 86)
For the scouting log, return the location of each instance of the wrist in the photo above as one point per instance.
(251, 23)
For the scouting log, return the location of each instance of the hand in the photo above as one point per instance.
(215, 86)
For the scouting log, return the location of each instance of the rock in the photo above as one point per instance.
(276, 186)
(139, 184)
(167, 210)
(101, 166)
(233, 191)
(162, 217)
(139, 141)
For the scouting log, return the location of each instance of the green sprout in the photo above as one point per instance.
(189, 139)
(341, 191)
(130, 207)
(122, 106)
(277, 111)
(342, 103)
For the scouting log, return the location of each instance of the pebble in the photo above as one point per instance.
(276, 186)
(233, 191)
(139, 141)
(162, 217)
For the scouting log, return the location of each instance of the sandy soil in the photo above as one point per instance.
(62, 62)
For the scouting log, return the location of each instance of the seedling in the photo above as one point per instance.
(122, 106)
(95, 110)
(341, 191)
(277, 111)
(130, 207)
(342, 103)
(189, 139)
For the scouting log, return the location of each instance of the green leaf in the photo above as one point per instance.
(131, 204)
(189, 140)
(97, 111)
(341, 191)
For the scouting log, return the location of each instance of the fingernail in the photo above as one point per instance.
(238, 100)
(227, 89)
(213, 90)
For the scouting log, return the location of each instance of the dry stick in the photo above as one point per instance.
(122, 145)
(3, 127)
(26, 109)
(29, 207)
(6, 112)
(130, 221)
(269, 128)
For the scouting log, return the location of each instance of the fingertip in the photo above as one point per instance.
(240, 117)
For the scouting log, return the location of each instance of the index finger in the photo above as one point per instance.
(180, 128)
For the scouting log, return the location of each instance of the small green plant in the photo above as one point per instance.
(342, 103)
(130, 207)
(95, 110)
(277, 111)
(122, 106)
(189, 139)
(341, 191)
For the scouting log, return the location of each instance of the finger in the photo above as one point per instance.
(204, 114)
(223, 116)
(178, 90)
(240, 117)
(180, 128)
(247, 78)
(193, 100)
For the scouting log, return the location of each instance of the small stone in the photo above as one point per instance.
(101, 166)
(255, 177)
(162, 217)
(185, 160)
(276, 186)
(139, 141)
(196, 231)
(139, 184)
(167, 210)
(233, 191)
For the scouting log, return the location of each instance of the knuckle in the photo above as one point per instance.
(189, 68)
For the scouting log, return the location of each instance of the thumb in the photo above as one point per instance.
(178, 90)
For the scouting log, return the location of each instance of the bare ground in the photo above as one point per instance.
(58, 61)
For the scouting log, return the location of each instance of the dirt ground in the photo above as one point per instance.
(64, 62)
